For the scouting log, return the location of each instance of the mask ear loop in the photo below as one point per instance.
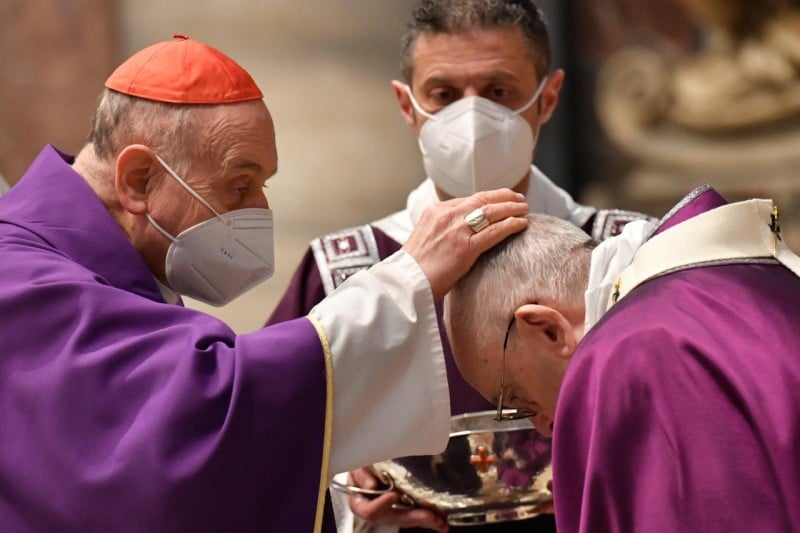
(535, 97)
(417, 106)
(186, 186)
(191, 191)
(161, 230)
(525, 107)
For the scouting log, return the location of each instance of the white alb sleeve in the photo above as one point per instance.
(390, 382)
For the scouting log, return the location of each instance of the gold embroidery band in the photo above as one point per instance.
(326, 444)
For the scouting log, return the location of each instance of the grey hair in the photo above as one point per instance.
(546, 263)
(120, 120)
(456, 16)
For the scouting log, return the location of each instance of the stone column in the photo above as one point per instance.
(54, 57)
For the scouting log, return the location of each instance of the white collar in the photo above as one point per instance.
(741, 232)
(420, 198)
(170, 296)
(609, 259)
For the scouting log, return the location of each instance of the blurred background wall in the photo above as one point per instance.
(54, 56)
(345, 155)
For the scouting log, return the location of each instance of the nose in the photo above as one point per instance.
(257, 200)
(470, 91)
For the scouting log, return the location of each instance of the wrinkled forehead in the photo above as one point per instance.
(241, 133)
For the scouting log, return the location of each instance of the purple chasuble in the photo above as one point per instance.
(122, 413)
(679, 410)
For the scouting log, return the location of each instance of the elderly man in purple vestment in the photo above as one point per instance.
(665, 362)
(122, 410)
(471, 67)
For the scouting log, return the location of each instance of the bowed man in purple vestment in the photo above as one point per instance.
(665, 362)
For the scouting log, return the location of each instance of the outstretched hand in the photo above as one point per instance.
(445, 246)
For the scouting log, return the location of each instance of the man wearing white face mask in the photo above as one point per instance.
(478, 87)
(121, 409)
(475, 144)
(196, 268)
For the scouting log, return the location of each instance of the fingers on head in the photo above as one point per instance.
(498, 195)
(502, 210)
(497, 232)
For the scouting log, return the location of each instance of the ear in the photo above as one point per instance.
(546, 327)
(136, 164)
(550, 94)
(404, 101)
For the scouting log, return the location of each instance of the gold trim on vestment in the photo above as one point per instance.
(326, 442)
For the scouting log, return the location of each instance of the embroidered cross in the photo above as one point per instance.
(615, 295)
(775, 228)
(483, 459)
(343, 244)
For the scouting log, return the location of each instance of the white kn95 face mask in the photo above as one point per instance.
(475, 144)
(222, 257)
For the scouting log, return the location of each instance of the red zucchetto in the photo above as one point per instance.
(184, 71)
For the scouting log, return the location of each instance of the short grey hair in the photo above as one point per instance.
(546, 263)
(457, 16)
(120, 120)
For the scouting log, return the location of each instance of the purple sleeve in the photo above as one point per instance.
(122, 413)
(304, 292)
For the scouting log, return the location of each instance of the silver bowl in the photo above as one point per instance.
(490, 472)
